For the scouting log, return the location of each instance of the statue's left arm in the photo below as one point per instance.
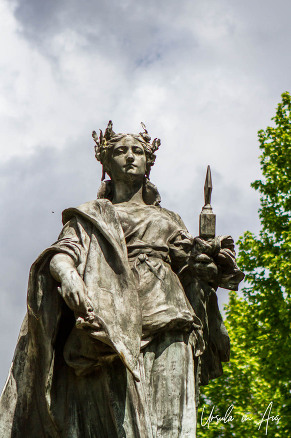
(203, 266)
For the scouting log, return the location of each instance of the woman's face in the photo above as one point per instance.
(128, 160)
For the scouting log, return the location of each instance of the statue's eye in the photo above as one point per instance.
(119, 151)
(138, 150)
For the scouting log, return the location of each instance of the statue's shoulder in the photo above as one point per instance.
(89, 209)
(95, 205)
(175, 217)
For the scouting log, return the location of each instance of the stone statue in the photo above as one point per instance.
(122, 321)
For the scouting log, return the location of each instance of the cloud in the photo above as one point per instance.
(204, 76)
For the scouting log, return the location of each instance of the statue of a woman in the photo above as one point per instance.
(122, 323)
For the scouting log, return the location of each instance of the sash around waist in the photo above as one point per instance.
(141, 253)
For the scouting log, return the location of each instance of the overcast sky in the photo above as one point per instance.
(204, 75)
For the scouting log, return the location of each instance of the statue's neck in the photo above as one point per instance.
(129, 191)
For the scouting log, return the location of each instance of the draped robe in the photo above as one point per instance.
(65, 382)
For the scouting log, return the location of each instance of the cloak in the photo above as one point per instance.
(25, 407)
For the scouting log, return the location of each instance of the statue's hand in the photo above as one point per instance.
(72, 289)
(74, 292)
(202, 259)
(213, 261)
(210, 247)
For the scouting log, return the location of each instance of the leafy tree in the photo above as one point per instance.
(259, 323)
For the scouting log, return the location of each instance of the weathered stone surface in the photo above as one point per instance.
(122, 321)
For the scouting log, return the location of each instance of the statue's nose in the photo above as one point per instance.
(130, 157)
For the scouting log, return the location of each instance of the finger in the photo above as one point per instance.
(89, 305)
(85, 307)
(201, 242)
(72, 299)
(81, 303)
(203, 258)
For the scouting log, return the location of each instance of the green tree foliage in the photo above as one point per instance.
(259, 323)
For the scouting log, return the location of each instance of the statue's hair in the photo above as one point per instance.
(106, 142)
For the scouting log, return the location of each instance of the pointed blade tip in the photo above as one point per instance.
(208, 179)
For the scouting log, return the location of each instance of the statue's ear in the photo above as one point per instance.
(105, 190)
(150, 193)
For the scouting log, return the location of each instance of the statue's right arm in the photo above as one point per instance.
(73, 288)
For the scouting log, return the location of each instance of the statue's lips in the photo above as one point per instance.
(129, 166)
